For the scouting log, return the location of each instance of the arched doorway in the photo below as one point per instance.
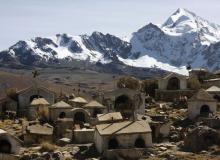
(113, 144)
(124, 105)
(173, 84)
(62, 115)
(34, 96)
(5, 146)
(139, 143)
(205, 110)
(79, 117)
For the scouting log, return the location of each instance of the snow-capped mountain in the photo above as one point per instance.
(184, 38)
(95, 48)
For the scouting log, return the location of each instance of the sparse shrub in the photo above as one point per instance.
(47, 147)
(128, 82)
(11, 92)
(193, 83)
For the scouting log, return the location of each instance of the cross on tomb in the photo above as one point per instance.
(35, 73)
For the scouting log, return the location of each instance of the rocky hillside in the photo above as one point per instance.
(94, 48)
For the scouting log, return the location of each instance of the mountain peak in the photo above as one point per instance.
(184, 21)
(179, 17)
(97, 34)
(184, 11)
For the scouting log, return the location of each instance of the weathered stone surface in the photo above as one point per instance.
(201, 138)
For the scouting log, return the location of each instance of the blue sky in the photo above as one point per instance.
(24, 19)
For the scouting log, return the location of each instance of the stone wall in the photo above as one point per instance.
(124, 140)
(63, 128)
(32, 113)
(54, 113)
(170, 95)
(84, 136)
(98, 141)
(11, 106)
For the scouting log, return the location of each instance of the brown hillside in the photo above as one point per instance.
(21, 81)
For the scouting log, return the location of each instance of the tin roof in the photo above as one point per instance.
(125, 127)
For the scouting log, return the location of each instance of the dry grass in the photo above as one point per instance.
(43, 113)
(47, 147)
(11, 127)
(5, 123)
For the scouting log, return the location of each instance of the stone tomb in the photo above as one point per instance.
(122, 135)
(201, 104)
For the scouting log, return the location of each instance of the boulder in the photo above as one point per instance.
(201, 138)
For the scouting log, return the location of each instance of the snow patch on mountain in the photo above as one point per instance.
(149, 62)
(62, 48)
